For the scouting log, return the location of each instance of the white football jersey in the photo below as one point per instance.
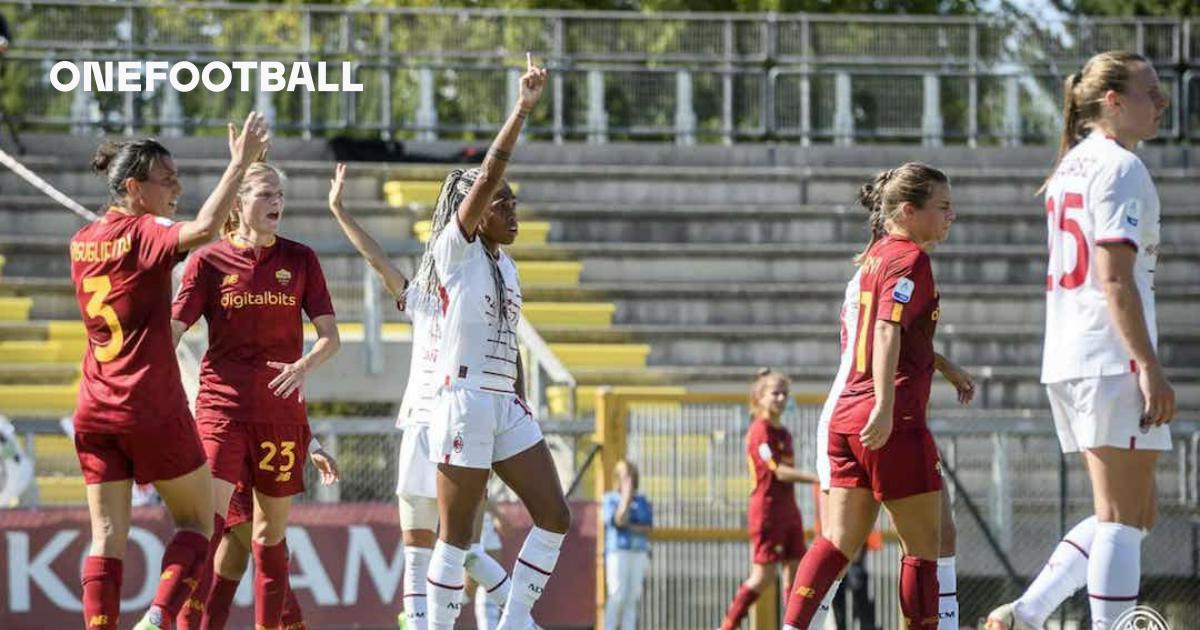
(477, 352)
(1100, 193)
(850, 325)
(421, 391)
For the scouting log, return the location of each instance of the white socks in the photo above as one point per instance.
(947, 594)
(487, 611)
(818, 620)
(534, 565)
(488, 574)
(1065, 572)
(1114, 572)
(445, 583)
(416, 566)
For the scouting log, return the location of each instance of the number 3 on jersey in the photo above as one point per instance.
(1057, 223)
(100, 287)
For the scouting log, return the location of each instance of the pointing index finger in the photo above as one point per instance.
(528, 60)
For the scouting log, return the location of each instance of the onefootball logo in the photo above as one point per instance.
(1140, 618)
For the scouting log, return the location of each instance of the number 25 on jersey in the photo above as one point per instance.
(1058, 224)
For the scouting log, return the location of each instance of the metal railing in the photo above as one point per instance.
(680, 77)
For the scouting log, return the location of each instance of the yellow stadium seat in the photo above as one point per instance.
(569, 313)
(532, 232)
(65, 330)
(22, 351)
(406, 193)
(585, 396)
(623, 355)
(550, 272)
(15, 309)
(353, 331)
(49, 399)
(61, 489)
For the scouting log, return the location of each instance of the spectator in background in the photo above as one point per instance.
(5, 44)
(628, 518)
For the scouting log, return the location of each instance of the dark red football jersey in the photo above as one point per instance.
(896, 285)
(252, 300)
(121, 267)
(767, 446)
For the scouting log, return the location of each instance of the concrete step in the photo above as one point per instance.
(809, 185)
(829, 262)
(703, 303)
(799, 224)
(818, 344)
(1009, 387)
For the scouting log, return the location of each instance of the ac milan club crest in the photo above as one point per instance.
(458, 442)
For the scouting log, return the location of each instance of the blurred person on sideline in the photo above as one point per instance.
(628, 518)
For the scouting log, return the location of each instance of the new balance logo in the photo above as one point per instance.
(805, 591)
(282, 477)
(98, 621)
(536, 589)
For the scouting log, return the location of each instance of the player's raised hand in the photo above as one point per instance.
(878, 428)
(253, 141)
(533, 82)
(337, 186)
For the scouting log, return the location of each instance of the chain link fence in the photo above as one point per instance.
(1014, 495)
(449, 73)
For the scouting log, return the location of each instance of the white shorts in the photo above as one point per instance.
(1103, 411)
(416, 476)
(473, 429)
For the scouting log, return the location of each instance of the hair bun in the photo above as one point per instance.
(104, 156)
(762, 371)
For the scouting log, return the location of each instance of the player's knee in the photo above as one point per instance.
(557, 519)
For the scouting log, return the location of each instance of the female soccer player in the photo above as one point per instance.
(776, 528)
(880, 449)
(1108, 394)
(416, 487)
(233, 554)
(252, 287)
(480, 419)
(131, 418)
(628, 518)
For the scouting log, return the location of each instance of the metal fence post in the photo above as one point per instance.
(1012, 111)
(171, 113)
(685, 115)
(372, 322)
(386, 122)
(264, 105)
(427, 118)
(726, 86)
(85, 112)
(1001, 491)
(843, 117)
(597, 118)
(931, 117)
(306, 95)
(512, 85)
(556, 80)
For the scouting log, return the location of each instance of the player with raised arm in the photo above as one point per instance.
(776, 527)
(480, 420)
(879, 446)
(1108, 394)
(416, 479)
(131, 420)
(253, 287)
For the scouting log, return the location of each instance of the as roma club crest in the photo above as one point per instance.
(458, 442)
(283, 276)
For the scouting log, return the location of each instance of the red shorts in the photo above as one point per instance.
(148, 455)
(783, 542)
(907, 465)
(268, 457)
(241, 505)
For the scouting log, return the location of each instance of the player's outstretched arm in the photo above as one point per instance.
(393, 279)
(791, 474)
(471, 210)
(244, 149)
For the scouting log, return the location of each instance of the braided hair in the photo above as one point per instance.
(423, 292)
(882, 197)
